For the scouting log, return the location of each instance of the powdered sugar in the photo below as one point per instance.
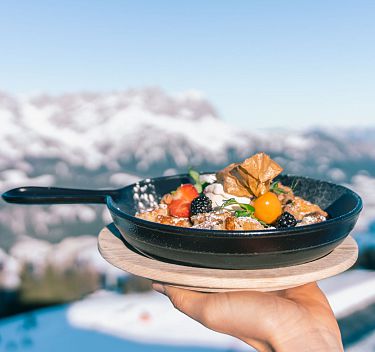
(144, 194)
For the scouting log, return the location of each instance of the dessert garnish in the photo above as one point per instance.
(276, 189)
(179, 205)
(267, 207)
(241, 197)
(252, 177)
(286, 220)
(201, 204)
(246, 209)
(198, 184)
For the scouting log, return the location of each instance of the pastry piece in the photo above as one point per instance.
(172, 220)
(299, 208)
(224, 220)
(161, 215)
(152, 214)
(252, 177)
(214, 220)
(287, 196)
(245, 223)
(231, 182)
(312, 218)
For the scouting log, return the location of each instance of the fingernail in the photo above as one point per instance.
(158, 287)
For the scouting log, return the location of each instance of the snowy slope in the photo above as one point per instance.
(112, 139)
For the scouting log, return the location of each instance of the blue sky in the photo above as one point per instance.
(261, 63)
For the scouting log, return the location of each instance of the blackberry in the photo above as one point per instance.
(286, 220)
(201, 204)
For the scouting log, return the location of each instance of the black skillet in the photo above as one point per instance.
(213, 248)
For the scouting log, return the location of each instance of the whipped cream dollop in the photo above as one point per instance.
(215, 191)
(207, 178)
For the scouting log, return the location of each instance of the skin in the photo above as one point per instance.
(296, 319)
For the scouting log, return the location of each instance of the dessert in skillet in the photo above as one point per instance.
(242, 196)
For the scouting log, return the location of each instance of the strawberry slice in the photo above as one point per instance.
(186, 191)
(179, 208)
(181, 200)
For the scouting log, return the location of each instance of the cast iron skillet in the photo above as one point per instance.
(213, 248)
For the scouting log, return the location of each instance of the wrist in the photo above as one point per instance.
(311, 341)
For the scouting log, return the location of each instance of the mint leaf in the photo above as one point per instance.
(194, 175)
(229, 201)
(240, 213)
(276, 189)
(204, 185)
(249, 208)
(263, 223)
(246, 209)
(198, 187)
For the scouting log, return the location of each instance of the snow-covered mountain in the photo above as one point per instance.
(112, 139)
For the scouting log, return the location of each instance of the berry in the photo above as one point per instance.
(181, 200)
(201, 204)
(186, 191)
(179, 208)
(267, 208)
(286, 220)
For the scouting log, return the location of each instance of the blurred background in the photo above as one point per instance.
(100, 94)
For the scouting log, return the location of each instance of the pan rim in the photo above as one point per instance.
(271, 233)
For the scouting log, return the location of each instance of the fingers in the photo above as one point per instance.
(308, 293)
(186, 301)
(260, 319)
(221, 312)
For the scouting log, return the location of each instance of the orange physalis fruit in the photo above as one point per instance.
(267, 208)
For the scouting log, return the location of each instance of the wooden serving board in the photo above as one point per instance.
(115, 250)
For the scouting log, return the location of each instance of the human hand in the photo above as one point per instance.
(296, 319)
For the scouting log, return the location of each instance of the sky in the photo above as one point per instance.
(261, 63)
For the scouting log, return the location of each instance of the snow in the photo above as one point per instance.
(350, 291)
(146, 317)
(365, 186)
(32, 251)
(109, 139)
(64, 254)
(122, 179)
(10, 270)
(337, 175)
(71, 253)
(89, 129)
(12, 178)
(365, 345)
(77, 128)
(90, 258)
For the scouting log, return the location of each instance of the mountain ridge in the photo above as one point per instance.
(97, 140)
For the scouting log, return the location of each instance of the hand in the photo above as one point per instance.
(296, 319)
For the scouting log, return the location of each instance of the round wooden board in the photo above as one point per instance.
(115, 251)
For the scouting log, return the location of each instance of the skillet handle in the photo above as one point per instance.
(54, 195)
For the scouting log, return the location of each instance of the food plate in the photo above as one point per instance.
(119, 253)
(269, 248)
(239, 249)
